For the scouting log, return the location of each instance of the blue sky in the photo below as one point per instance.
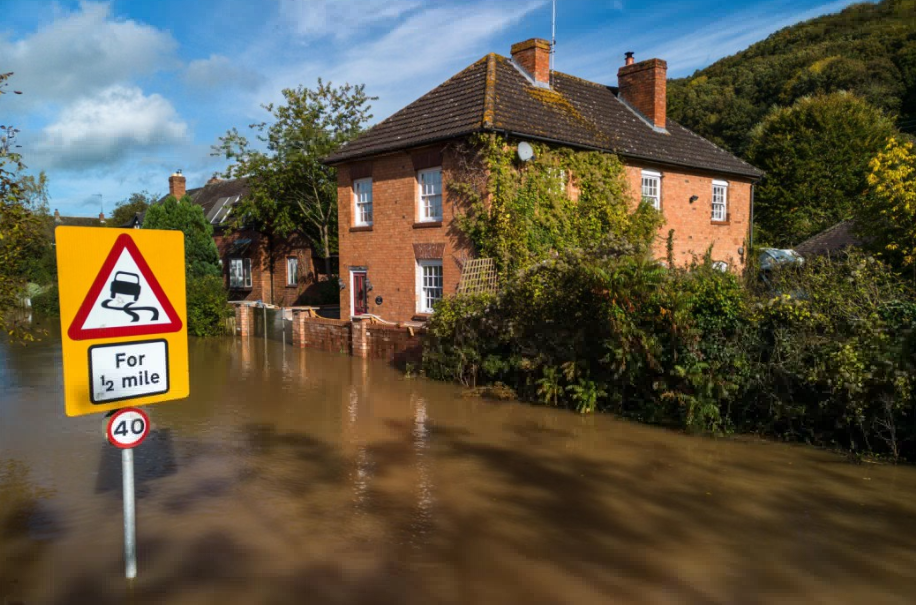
(117, 95)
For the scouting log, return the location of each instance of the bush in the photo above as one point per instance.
(833, 363)
(208, 306)
(47, 302)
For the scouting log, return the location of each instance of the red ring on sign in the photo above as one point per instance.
(111, 423)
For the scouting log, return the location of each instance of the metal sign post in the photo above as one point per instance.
(127, 429)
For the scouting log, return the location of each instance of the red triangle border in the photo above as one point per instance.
(76, 332)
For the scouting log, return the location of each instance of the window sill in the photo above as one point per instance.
(427, 225)
(720, 223)
(361, 228)
(421, 316)
(292, 286)
(241, 288)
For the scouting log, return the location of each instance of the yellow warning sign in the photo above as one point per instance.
(123, 317)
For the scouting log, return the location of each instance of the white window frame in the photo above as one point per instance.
(362, 202)
(648, 178)
(429, 200)
(292, 271)
(424, 301)
(719, 207)
(245, 264)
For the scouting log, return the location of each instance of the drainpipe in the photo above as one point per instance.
(750, 235)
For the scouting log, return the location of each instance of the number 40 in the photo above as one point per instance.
(137, 426)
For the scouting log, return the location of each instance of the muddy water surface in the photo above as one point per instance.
(304, 477)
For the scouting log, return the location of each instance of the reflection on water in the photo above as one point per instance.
(298, 476)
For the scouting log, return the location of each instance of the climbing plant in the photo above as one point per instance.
(519, 213)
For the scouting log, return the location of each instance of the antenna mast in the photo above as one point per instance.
(553, 35)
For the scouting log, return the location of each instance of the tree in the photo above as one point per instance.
(207, 304)
(888, 218)
(290, 189)
(20, 228)
(816, 155)
(125, 210)
(201, 254)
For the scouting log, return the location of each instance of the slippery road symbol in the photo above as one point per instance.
(127, 284)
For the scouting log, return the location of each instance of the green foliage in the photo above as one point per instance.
(609, 329)
(207, 302)
(208, 306)
(290, 189)
(519, 213)
(125, 210)
(201, 254)
(867, 49)
(816, 155)
(47, 301)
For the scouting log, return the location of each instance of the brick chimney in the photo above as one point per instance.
(644, 87)
(534, 57)
(177, 185)
(102, 218)
(57, 218)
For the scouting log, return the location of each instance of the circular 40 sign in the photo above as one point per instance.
(128, 428)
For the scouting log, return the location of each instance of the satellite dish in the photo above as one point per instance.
(525, 151)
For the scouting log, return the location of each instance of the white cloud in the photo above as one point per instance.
(341, 18)
(219, 73)
(107, 127)
(83, 52)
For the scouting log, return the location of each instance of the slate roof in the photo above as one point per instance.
(834, 239)
(217, 198)
(493, 95)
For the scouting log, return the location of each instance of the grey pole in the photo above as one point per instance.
(130, 521)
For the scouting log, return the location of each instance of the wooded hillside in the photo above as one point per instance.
(868, 49)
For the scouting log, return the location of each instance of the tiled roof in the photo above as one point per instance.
(493, 95)
(218, 197)
(78, 221)
(834, 239)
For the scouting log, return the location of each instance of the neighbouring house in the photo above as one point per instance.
(78, 221)
(398, 254)
(831, 241)
(256, 266)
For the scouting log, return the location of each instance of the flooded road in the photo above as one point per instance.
(298, 476)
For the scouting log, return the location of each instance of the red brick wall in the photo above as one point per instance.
(644, 86)
(386, 250)
(693, 227)
(261, 276)
(320, 333)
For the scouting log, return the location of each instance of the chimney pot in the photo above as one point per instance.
(644, 87)
(629, 57)
(57, 215)
(534, 57)
(177, 185)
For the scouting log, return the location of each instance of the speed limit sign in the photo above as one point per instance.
(128, 428)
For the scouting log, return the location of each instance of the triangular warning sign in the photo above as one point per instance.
(125, 299)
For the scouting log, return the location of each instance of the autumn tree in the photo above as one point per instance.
(888, 216)
(816, 156)
(20, 228)
(290, 189)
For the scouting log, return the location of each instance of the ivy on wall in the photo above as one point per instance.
(519, 213)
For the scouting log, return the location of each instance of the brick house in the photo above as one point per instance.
(278, 271)
(398, 252)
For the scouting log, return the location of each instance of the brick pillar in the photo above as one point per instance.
(359, 342)
(298, 328)
(243, 319)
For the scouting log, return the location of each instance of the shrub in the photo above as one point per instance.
(47, 302)
(208, 306)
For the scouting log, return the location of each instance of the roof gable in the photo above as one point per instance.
(494, 95)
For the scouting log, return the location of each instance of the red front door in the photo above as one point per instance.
(360, 296)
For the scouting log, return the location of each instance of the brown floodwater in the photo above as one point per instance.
(296, 476)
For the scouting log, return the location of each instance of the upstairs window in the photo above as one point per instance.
(362, 197)
(430, 182)
(652, 188)
(719, 200)
(429, 284)
(292, 271)
(239, 273)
